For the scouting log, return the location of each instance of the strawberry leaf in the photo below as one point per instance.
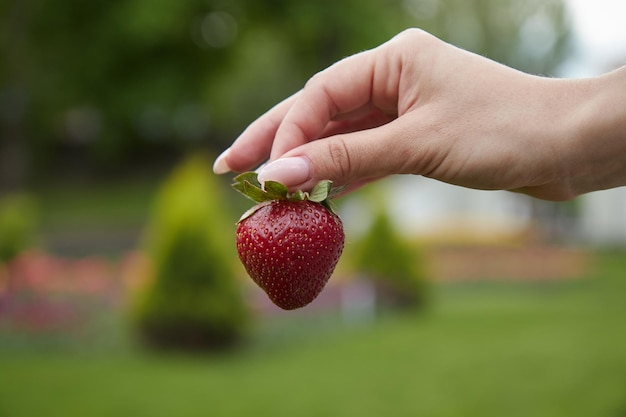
(321, 190)
(248, 184)
(251, 191)
(251, 177)
(299, 196)
(335, 191)
(275, 190)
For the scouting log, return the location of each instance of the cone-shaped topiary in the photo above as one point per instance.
(18, 224)
(396, 268)
(192, 300)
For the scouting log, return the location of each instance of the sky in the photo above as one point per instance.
(600, 30)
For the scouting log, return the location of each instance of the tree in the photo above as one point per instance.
(530, 35)
(192, 299)
(18, 224)
(107, 82)
(397, 269)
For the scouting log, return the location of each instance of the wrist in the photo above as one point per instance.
(596, 131)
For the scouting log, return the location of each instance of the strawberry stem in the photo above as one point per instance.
(248, 184)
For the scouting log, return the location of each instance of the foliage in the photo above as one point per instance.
(18, 223)
(530, 35)
(99, 83)
(191, 299)
(397, 268)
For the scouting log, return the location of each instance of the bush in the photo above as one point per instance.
(192, 299)
(396, 268)
(18, 223)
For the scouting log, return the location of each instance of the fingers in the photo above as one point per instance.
(357, 93)
(336, 100)
(361, 120)
(307, 115)
(253, 146)
(343, 89)
(351, 159)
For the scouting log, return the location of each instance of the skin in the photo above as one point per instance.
(417, 105)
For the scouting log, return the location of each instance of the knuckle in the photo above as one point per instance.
(314, 80)
(341, 163)
(411, 34)
(414, 36)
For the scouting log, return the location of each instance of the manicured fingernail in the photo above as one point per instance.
(220, 166)
(289, 171)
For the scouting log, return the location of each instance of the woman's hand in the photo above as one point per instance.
(417, 105)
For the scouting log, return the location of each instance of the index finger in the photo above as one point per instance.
(253, 145)
(341, 88)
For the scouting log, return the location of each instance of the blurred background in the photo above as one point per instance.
(120, 289)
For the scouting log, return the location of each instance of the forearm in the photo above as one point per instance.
(599, 142)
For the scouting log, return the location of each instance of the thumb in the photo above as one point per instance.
(348, 159)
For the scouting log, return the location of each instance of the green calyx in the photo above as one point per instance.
(248, 184)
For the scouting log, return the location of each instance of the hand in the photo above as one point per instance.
(417, 105)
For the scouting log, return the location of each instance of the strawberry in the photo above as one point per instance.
(289, 243)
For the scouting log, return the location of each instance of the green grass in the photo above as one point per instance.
(106, 217)
(484, 350)
(105, 204)
(101, 205)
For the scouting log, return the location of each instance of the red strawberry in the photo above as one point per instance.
(289, 243)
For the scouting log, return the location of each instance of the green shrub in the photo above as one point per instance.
(18, 224)
(192, 299)
(396, 268)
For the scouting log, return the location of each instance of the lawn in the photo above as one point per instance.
(508, 349)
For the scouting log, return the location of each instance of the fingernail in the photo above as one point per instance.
(220, 166)
(289, 171)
